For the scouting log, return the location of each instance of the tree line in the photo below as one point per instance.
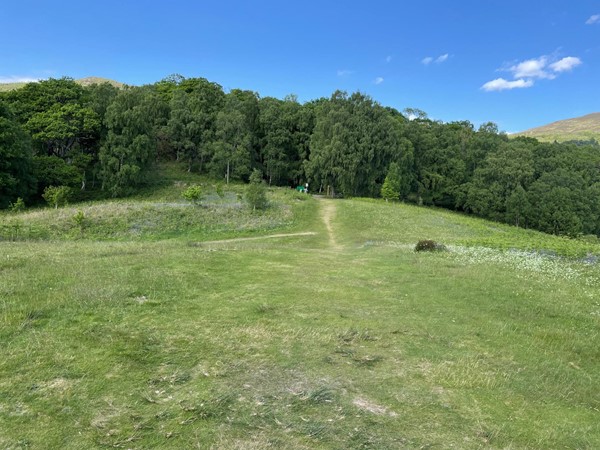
(101, 138)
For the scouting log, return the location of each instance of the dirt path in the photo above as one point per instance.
(257, 238)
(327, 214)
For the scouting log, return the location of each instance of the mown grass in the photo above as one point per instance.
(294, 343)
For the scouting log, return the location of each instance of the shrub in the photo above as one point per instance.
(57, 195)
(428, 245)
(219, 190)
(193, 194)
(17, 206)
(79, 220)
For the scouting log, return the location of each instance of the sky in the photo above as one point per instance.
(519, 64)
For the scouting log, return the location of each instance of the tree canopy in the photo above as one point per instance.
(58, 133)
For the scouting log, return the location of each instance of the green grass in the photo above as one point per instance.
(137, 341)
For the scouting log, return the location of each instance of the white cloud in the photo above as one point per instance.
(442, 58)
(531, 68)
(18, 79)
(344, 72)
(500, 84)
(566, 64)
(526, 72)
(378, 80)
(388, 59)
(593, 19)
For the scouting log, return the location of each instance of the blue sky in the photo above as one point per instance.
(517, 63)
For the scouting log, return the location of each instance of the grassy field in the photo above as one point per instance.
(156, 336)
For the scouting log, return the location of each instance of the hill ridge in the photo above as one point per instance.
(582, 128)
(85, 81)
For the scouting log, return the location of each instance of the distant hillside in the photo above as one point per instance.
(4, 87)
(98, 80)
(82, 81)
(580, 128)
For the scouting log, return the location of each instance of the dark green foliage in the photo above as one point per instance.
(16, 175)
(236, 126)
(428, 245)
(195, 104)
(353, 140)
(130, 147)
(55, 171)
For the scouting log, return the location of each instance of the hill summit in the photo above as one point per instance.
(582, 128)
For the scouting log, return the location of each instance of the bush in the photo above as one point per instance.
(17, 206)
(193, 194)
(57, 195)
(79, 220)
(428, 245)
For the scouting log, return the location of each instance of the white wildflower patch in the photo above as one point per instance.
(524, 262)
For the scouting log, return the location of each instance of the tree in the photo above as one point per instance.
(517, 207)
(392, 184)
(353, 141)
(285, 128)
(561, 205)
(256, 195)
(130, 147)
(16, 171)
(192, 123)
(233, 150)
(61, 128)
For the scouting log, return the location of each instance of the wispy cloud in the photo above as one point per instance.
(525, 73)
(500, 84)
(442, 58)
(566, 64)
(388, 59)
(18, 79)
(430, 59)
(378, 80)
(344, 72)
(593, 19)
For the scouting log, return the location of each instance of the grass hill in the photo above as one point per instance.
(581, 128)
(82, 81)
(158, 324)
